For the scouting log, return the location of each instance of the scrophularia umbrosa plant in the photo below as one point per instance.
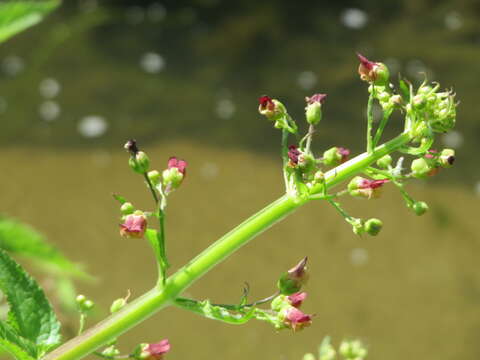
(336, 173)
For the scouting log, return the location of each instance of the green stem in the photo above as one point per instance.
(156, 299)
(381, 127)
(370, 121)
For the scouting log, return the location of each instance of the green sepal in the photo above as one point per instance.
(31, 315)
(119, 198)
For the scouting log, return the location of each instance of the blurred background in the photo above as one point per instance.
(183, 78)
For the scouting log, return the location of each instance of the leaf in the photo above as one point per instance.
(10, 334)
(14, 350)
(31, 315)
(16, 16)
(404, 90)
(17, 238)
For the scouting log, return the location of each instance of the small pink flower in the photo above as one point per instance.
(155, 351)
(296, 319)
(296, 299)
(371, 184)
(180, 165)
(344, 153)
(134, 226)
(367, 68)
(360, 186)
(316, 98)
(293, 155)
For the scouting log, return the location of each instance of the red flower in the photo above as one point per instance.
(155, 351)
(293, 155)
(344, 153)
(134, 226)
(316, 98)
(296, 319)
(180, 165)
(296, 299)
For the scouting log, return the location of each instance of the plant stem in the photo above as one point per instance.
(370, 121)
(156, 299)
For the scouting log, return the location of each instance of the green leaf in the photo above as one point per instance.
(16, 16)
(19, 239)
(30, 313)
(404, 90)
(10, 334)
(14, 350)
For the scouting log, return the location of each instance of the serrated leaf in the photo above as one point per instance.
(33, 315)
(10, 334)
(19, 239)
(14, 350)
(16, 16)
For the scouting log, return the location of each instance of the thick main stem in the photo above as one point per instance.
(156, 299)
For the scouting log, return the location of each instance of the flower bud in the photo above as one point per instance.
(152, 351)
(335, 156)
(447, 158)
(384, 162)
(313, 111)
(139, 162)
(294, 318)
(420, 207)
(154, 177)
(134, 225)
(352, 350)
(421, 167)
(293, 155)
(131, 146)
(292, 281)
(111, 352)
(373, 71)
(174, 174)
(117, 305)
(127, 208)
(373, 226)
(83, 303)
(297, 299)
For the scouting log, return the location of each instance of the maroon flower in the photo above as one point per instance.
(180, 165)
(296, 299)
(366, 69)
(295, 319)
(344, 153)
(360, 186)
(155, 351)
(267, 106)
(293, 155)
(371, 184)
(316, 98)
(134, 226)
(299, 271)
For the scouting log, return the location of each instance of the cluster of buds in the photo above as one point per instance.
(288, 313)
(431, 163)
(84, 305)
(173, 175)
(437, 108)
(353, 350)
(154, 351)
(361, 187)
(275, 111)
(138, 161)
(371, 226)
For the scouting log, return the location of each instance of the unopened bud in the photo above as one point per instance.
(353, 350)
(292, 281)
(373, 226)
(313, 111)
(111, 352)
(420, 207)
(384, 162)
(117, 305)
(139, 162)
(154, 177)
(83, 303)
(335, 156)
(127, 208)
(421, 168)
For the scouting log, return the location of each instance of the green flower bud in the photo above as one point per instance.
(80, 299)
(419, 101)
(358, 226)
(384, 162)
(319, 177)
(117, 305)
(111, 351)
(139, 162)
(353, 349)
(420, 168)
(313, 111)
(420, 207)
(154, 177)
(447, 158)
(88, 305)
(308, 356)
(373, 226)
(335, 156)
(127, 208)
